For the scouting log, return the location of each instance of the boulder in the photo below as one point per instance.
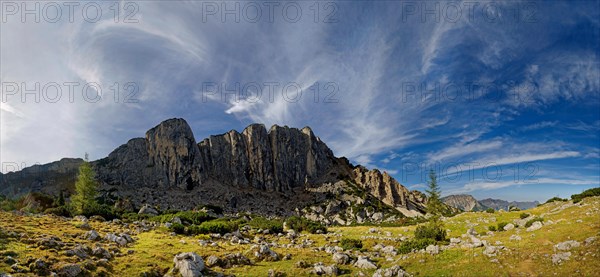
(264, 253)
(515, 237)
(364, 263)
(394, 271)
(149, 210)
(101, 253)
(91, 235)
(69, 270)
(432, 249)
(535, 226)
(566, 245)
(81, 251)
(341, 258)
(509, 227)
(213, 261)
(321, 269)
(235, 259)
(558, 258)
(490, 251)
(188, 264)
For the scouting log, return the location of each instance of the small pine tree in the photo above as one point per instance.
(85, 188)
(434, 202)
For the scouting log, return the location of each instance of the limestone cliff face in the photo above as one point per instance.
(278, 160)
(173, 154)
(388, 190)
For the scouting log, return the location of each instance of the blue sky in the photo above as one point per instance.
(501, 98)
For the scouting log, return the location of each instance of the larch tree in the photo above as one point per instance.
(85, 188)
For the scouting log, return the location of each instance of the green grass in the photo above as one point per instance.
(530, 256)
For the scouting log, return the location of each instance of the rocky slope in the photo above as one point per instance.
(281, 168)
(463, 202)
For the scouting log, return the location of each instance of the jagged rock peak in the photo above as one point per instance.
(173, 153)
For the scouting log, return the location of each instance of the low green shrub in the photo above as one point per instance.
(178, 228)
(524, 215)
(63, 210)
(187, 217)
(103, 210)
(273, 225)
(531, 221)
(492, 228)
(8, 205)
(501, 226)
(555, 199)
(490, 211)
(430, 231)
(587, 193)
(131, 217)
(414, 244)
(302, 224)
(213, 226)
(347, 244)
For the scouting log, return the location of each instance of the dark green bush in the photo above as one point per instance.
(501, 226)
(587, 193)
(178, 228)
(350, 244)
(555, 199)
(531, 221)
(302, 224)
(430, 231)
(490, 211)
(273, 225)
(524, 215)
(102, 210)
(213, 226)
(187, 217)
(492, 228)
(60, 211)
(131, 217)
(414, 244)
(8, 205)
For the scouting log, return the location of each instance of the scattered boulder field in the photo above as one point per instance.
(553, 239)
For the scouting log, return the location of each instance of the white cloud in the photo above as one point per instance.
(479, 186)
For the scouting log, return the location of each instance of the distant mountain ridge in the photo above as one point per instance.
(468, 203)
(498, 204)
(463, 202)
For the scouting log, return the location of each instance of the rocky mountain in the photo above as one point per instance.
(49, 178)
(498, 204)
(463, 202)
(277, 171)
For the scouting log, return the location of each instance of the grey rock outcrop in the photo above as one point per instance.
(188, 264)
(278, 160)
(389, 191)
